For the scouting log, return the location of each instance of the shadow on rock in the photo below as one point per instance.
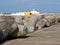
(13, 38)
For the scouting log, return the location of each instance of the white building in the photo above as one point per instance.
(35, 12)
(19, 14)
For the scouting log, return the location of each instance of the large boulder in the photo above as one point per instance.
(21, 30)
(57, 17)
(50, 18)
(41, 23)
(6, 29)
(31, 21)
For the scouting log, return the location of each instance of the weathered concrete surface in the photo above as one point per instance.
(45, 36)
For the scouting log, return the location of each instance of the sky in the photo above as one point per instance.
(43, 6)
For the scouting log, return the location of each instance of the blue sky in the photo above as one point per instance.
(44, 6)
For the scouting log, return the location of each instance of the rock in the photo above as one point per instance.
(21, 31)
(30, 22)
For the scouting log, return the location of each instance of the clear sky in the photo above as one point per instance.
(10, 6)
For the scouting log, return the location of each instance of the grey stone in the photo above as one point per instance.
(30, 22)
